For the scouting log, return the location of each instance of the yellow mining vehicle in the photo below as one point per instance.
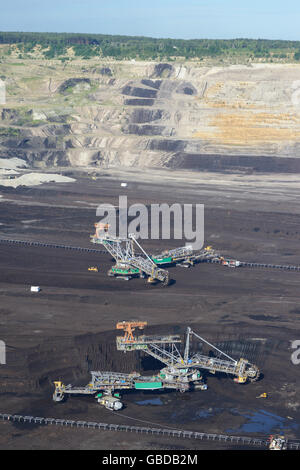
(93, 268)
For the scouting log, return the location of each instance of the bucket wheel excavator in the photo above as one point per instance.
(181, 371)
(184, 365)
(131, 259)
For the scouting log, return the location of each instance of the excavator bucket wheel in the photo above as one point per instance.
(166, 282)
(254, 379)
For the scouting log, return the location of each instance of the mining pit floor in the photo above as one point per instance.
(68, 328)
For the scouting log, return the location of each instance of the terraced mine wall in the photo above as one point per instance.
(238, 118)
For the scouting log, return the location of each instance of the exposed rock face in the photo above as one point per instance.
(105, 71)
(237, 118)
(162, 70)
(74, 84)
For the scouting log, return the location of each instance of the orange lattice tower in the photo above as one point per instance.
(101, 227)
(129, 327)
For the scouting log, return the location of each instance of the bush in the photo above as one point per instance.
(297, 55)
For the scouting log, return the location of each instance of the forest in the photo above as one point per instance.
(55, 45)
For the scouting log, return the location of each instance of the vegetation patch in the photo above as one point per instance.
(9, 132)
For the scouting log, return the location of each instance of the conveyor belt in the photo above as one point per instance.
(258, 265)
(51, 245)
(104, 252)
(243, 440)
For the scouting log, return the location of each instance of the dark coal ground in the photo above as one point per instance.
(68, 328)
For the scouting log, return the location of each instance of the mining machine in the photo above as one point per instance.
(182, 371)
(131, 259)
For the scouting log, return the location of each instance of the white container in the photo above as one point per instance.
(35, 288)
(124, 185)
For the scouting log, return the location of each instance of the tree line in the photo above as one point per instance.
(132, 47)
